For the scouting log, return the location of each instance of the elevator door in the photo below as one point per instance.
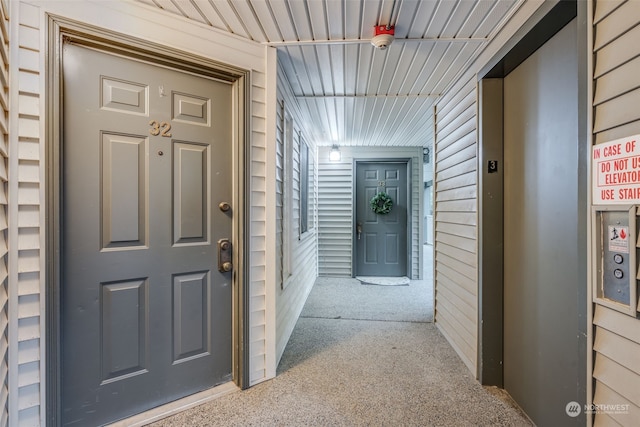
(541, 348)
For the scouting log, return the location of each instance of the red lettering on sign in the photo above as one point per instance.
(625, 177)
(596, 153)
(613, 150)
(621, 164)
(629, 193)
(607, 194)
(630, 146)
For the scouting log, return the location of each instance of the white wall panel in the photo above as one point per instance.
(4, 225)
(26, 364)
(294, 285)
(616, 96)
(456, 302)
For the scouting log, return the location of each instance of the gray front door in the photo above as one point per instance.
(381, 239)
(146, 314)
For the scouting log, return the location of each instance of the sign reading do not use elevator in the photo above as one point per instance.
(616, 172)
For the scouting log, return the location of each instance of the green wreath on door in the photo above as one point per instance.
(381, 203)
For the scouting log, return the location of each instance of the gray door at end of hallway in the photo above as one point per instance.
(381, 239)
(541, 288)
(146, 315)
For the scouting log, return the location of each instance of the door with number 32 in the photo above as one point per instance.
(146, 314)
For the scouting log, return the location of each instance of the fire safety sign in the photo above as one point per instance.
(615, 172)
(619, 239)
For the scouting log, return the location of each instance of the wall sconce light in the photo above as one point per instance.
(334, 155)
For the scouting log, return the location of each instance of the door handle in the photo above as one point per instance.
(359, 229)
(225, 253)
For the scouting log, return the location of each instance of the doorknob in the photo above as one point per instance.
(359, 229)
(224, 256)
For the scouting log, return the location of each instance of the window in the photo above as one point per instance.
(304, 187)
(287, 202)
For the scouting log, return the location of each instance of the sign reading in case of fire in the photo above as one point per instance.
(615, 172)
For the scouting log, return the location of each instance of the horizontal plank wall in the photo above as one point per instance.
(456, 301)
(616, 371)
(27, 282)
(335, 206)
(4, 184)
(26, 226)
(294, 277)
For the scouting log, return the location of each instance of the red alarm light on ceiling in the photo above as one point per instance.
(382, 29)
(383, 36)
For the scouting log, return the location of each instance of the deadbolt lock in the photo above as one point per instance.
(224, 256)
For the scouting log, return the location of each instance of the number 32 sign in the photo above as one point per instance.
(161, 129)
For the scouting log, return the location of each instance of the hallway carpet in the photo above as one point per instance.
(347, 366)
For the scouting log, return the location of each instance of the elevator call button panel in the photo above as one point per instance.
(615, 257)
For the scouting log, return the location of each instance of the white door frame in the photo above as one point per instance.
(59, 29)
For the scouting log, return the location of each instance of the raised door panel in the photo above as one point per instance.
(124, 188)
(124, 329)
(191, 202)
(191, 316)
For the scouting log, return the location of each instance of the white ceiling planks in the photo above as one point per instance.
(492, 21)
(250, 20)
(352, 93)
(189, 9)
(481, 9)
(262, 13)
(458, 17)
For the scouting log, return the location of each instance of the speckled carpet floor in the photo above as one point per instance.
(348, 366)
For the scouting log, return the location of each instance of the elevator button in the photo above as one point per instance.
(618, 273)
(618, 259)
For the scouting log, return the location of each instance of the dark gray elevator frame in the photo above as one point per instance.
(545, 22)
(60, 29)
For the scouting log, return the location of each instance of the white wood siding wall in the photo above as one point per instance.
(335, 206)
(259, 364)
(335, 210)
(26, 278)
(616, 114)
(4, 225)
(26, 226)
(456, 301)
(292, 294)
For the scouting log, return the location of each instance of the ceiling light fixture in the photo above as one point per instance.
(334, 155)
(383, 36)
